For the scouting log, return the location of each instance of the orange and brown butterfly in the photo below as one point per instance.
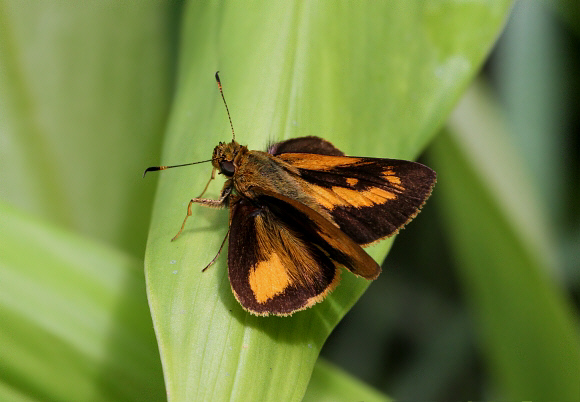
(300, 211)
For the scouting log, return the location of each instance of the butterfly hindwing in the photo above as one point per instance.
(284, 256)
(271, 269)
(308, 145)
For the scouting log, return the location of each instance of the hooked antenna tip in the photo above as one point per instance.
(152, 169)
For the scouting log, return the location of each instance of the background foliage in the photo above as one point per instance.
(482, 290)
(479, 298)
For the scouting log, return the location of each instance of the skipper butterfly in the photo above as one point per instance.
(300, 211)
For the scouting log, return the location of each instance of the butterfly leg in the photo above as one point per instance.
(222, 202)
(209, 181)
(218, 253)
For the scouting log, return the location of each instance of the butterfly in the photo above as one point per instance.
(302, 210)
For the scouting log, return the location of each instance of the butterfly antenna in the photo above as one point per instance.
(155, 168)
(217, 78)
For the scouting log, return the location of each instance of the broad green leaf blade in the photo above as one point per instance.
(8, 393)
(84, 94)
(528, 330)
(75, 323)
(328, 383)
(376, 79)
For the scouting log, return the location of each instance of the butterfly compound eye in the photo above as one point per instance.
(227, 168)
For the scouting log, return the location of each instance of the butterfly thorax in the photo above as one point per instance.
(258, 171)
(252, 173)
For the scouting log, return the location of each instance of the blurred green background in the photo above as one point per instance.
(507, 205)
(479, 295)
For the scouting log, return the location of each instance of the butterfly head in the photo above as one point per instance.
(223, 158)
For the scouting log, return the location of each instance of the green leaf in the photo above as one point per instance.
(329, 383)
(84, 94)
(375, 78)
(528, 329)
(75, 323)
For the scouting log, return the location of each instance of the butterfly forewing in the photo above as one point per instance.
(368, 198)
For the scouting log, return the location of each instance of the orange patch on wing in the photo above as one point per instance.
(392, 178)
(331, 198)
(378, 195)
(351, 181)
(325, 197)
(373, 195)
(317, 162)
(268, 279)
